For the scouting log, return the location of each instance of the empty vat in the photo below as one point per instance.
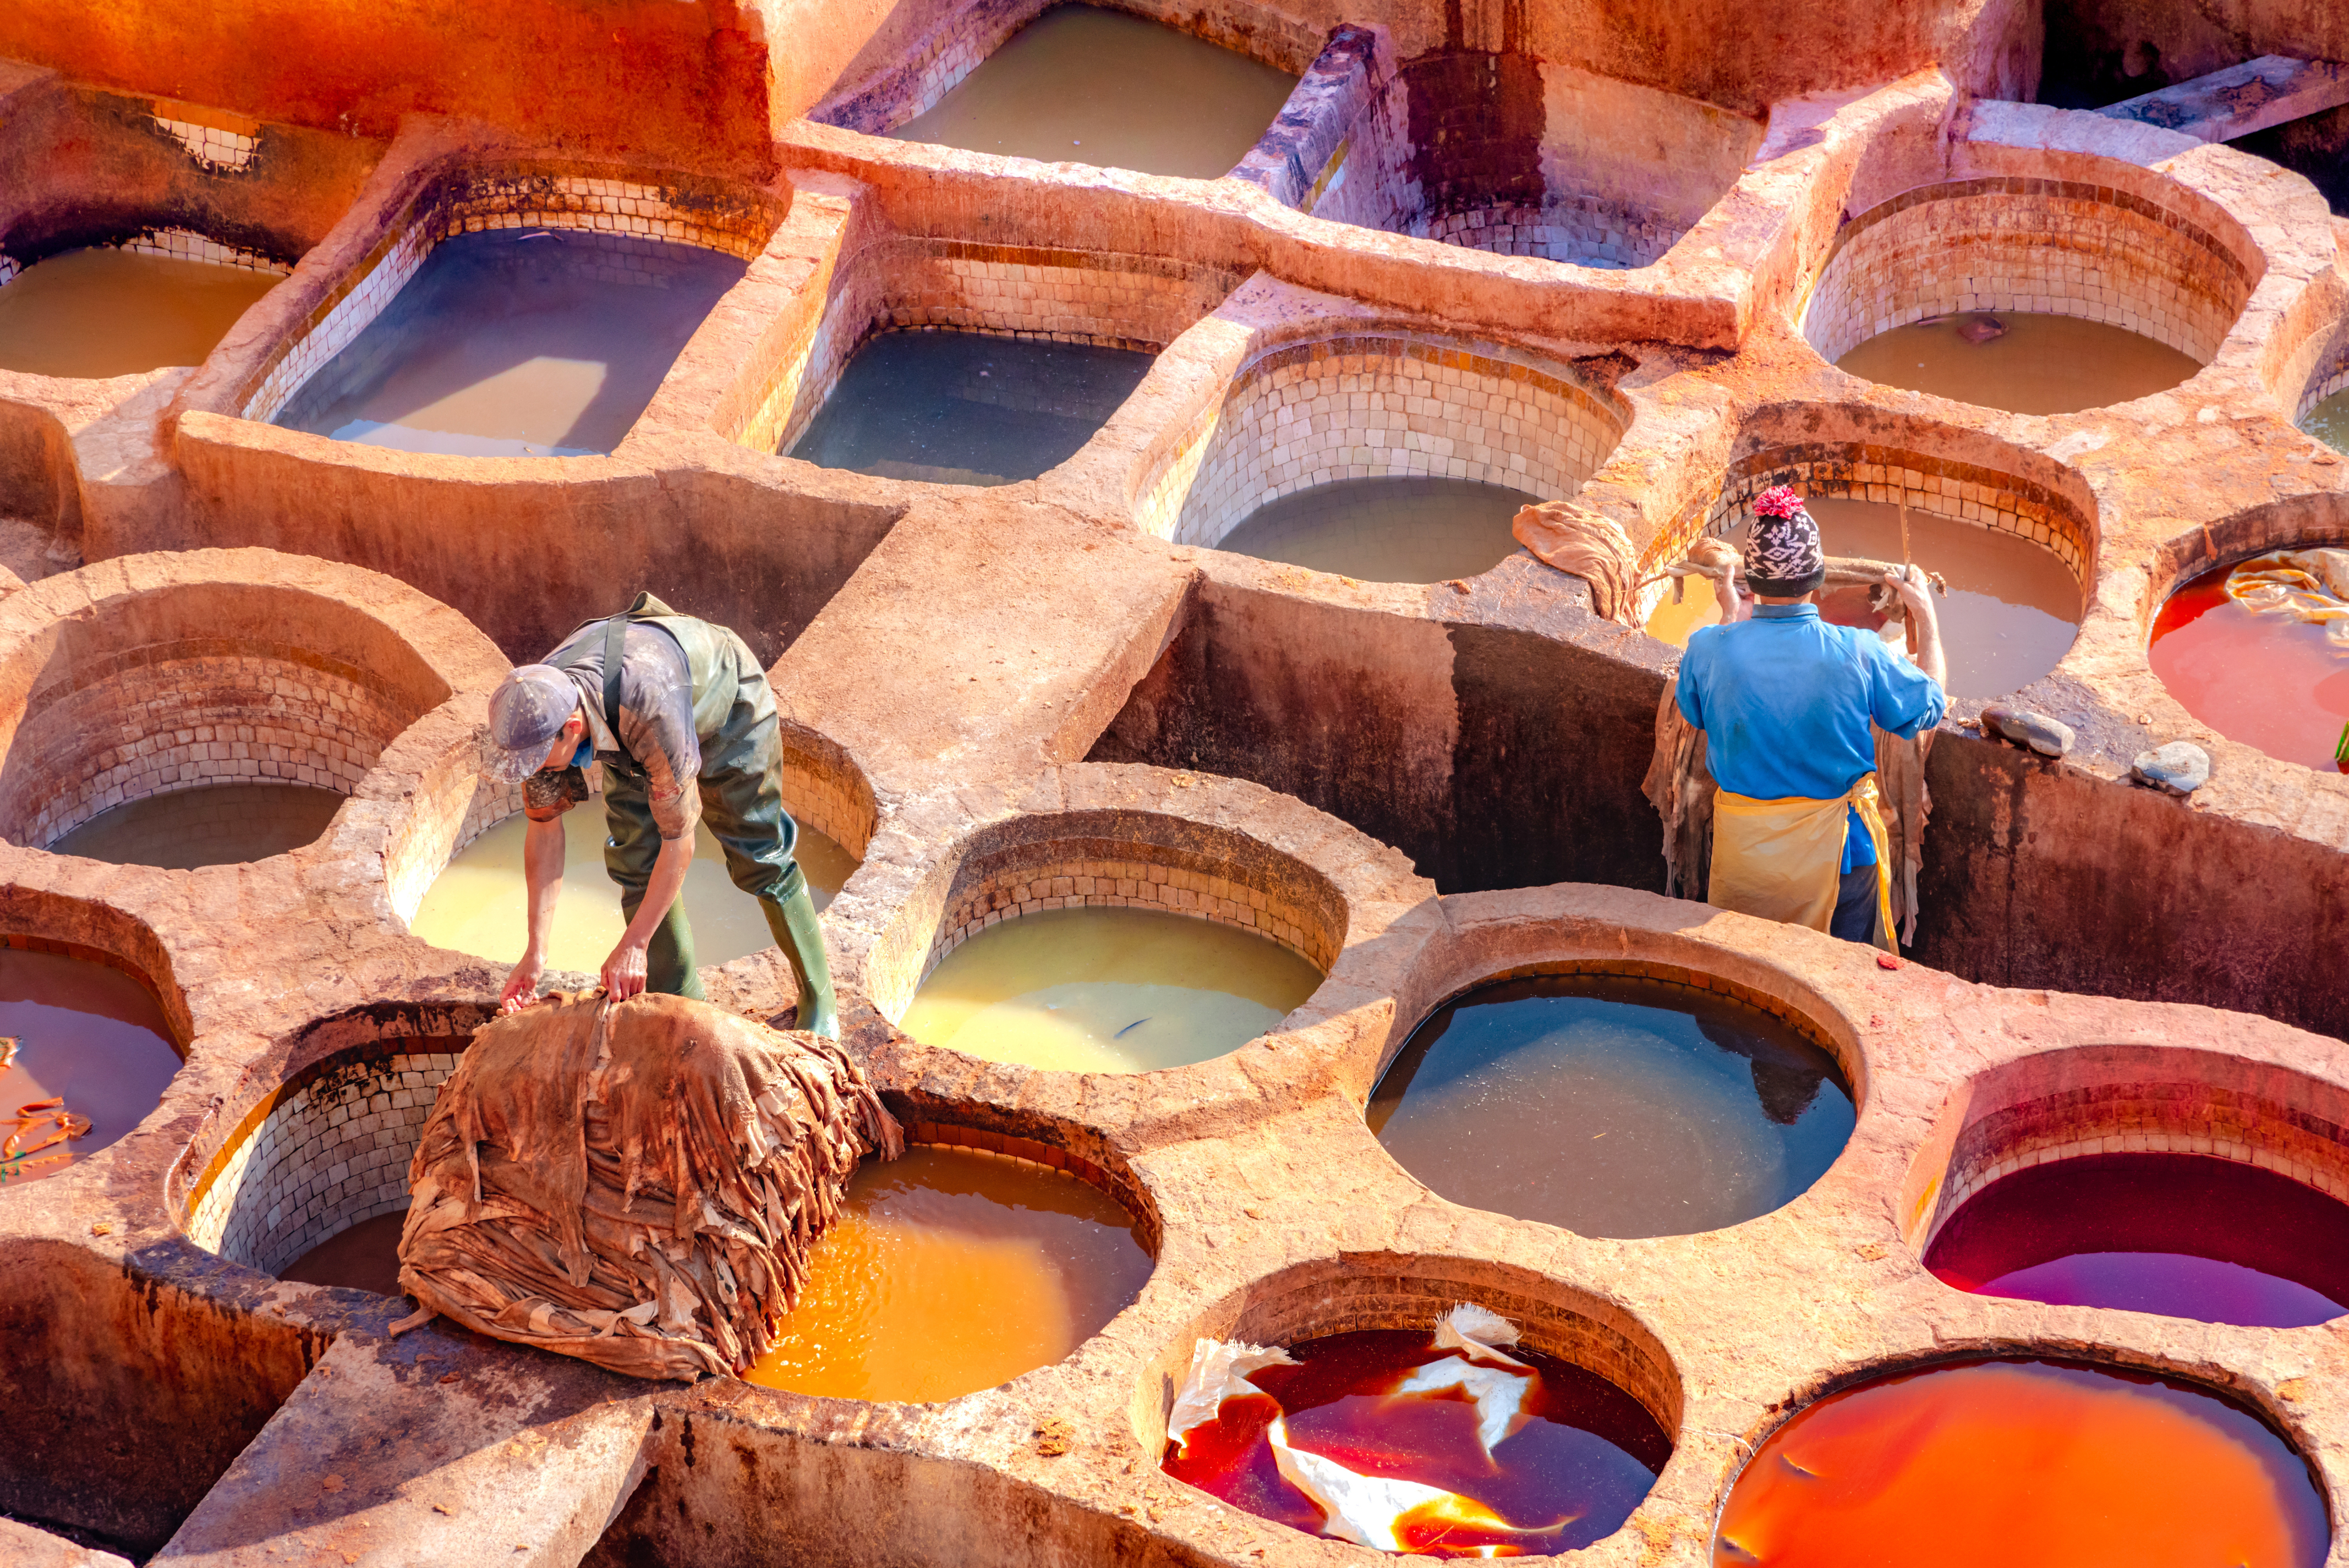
(953, 1269)
(2012, 612)
(532, 342)
(2254, 667)
(2181, 1234)
(2024, 1463)
(2021, 361)
(89, 1036)
(479, 904)
(1386, 530)
(967, 408)
(117, 310)
(210, 824)
(1612, 1106)
(1084, 85)
(1108, 989)
(1541, 1456)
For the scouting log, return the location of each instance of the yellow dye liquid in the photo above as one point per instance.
(1108, 990)
(480, 904)
(94, 313)
(950, 1270)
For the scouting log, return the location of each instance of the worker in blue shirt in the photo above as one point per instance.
(1785, 700)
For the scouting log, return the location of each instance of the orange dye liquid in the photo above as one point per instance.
(1583, 1458)
(2267, 681)
(950, 1270)
(2025, 1464)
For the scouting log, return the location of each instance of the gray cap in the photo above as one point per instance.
(527, 710)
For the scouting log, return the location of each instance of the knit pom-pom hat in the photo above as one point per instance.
(1783, 557)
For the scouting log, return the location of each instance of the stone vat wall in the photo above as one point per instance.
(1374, 405)
(2020, 243)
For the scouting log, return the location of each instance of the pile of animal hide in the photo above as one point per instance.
(637, 1184)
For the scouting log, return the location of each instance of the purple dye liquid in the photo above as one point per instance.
(2182, 1235)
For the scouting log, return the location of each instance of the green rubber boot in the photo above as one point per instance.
(793, 920)
(669, 967)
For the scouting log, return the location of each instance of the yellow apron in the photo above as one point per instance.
(1782, 859)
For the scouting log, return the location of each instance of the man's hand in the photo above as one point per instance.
(522, 985)
(1916, 593)
(624, 971)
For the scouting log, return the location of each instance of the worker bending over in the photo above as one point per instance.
(679, 716)
(1785, 701)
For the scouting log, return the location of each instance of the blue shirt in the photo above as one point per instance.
(1786, 699)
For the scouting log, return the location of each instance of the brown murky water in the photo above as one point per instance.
(1395, 530)
(2041, 365)
(478, 904)
(2328, 421)
(2012, 612)
(1082, 85)
(364, 1258)
(1612, 1106)
(517, 343)
(92, 313)
(211, 824)
(1108, 990)
(88, 1033)
(950, 1270)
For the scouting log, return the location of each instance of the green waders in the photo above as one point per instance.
(741, 801)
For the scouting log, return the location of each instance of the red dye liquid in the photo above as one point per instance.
(2184, 1235)
(1587, 1456)
(2024, 1464)
(2267, 681)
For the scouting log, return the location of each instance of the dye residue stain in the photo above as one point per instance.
(950, 1270)
(1083, 84)
(1581, 1461)
(1612, 1106)
(1386, 530)
(366, 1257)
(478, 905)
(2026, 1464)
(2038, 365)
(517, 343)
(963, 408)
(210, 824)
(2184, 1235)
(89, 1034)
(1108, 990)
(2267, 681)
(93, 313)
(2012, 612)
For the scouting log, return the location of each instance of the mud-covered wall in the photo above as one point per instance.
(1492, 757)
(127, 1396)
(2101, 51)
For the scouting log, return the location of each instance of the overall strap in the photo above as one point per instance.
(615, 630)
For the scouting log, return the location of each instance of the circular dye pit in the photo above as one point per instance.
(210, 824)
(949, 1270)
(517, 343)
(2033, 364)
(2012, 612)
(86, 1034)
(1084, 85)
(479, 904)
(2328, 421)
(1108, 990)
(2027, 1464)
(2184, 1235)
(92, 313)
(2260, 677)
(364, 1258)
(1548, 1459)
(1612, 1106)
(966, 408)
(1386, 530)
